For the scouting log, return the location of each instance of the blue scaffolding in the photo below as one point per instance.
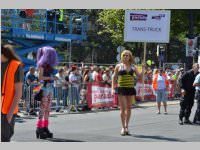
(33, 32)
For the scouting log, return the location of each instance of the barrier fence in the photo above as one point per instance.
(149, 93)
(90, 95)
(71, 96)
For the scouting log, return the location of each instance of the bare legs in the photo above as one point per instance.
(158, 105)
(125, 103)
(165, 107)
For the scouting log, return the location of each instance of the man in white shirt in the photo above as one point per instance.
(60, 86)
(74, 80)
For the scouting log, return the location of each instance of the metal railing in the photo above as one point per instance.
(72, 23)
(63, 98)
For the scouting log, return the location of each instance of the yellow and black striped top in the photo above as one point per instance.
(125, 78)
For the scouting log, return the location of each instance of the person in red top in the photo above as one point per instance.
(98, 77)
(29, 17)
(29, 12)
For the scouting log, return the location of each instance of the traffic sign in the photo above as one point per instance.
(137, 60)
(120, 48)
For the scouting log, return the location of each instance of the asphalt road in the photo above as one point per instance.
(104, 126)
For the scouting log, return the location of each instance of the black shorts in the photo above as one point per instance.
(125, 91)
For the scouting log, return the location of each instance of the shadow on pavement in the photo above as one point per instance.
(62, 140)
(158, 138)
(173, 114)
(138, 106)
(19, 120)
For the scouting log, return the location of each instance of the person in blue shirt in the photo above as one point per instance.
(30, 82)
(31, 78)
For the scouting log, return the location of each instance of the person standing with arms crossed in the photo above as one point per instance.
(46, 60)
(187, 93)
(123, 82)
(11, 90)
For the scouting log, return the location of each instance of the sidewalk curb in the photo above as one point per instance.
(151, 104)
(137, 105)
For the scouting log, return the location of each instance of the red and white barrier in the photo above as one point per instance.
(148, 91)
(171, 89)
(99, 95)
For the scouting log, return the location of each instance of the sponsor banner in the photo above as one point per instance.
(99, 95)
(147, 26)
(190, 45)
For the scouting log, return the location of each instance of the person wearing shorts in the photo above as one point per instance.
(46, 61)
(160, 85)
(123, 81)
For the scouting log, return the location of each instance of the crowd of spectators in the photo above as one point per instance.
(70, 88)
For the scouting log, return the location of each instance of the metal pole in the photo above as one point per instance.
(190, 36)
(92, 55)
(144, 60)
(191, 23)
(70, 24)
(70, 53)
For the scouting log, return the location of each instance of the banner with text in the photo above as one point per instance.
(147, 26)
(99, 95)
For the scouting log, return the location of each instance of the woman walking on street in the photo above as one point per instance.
(46, 60)
(123, 81)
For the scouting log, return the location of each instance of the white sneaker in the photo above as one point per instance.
(122, 132)
(158, 112)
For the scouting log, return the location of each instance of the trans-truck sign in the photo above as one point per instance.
(147, 26)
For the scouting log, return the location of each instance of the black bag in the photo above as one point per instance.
(38, 96)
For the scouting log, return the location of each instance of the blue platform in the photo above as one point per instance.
(31, 33)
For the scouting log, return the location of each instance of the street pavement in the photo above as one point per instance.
(104, 126)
